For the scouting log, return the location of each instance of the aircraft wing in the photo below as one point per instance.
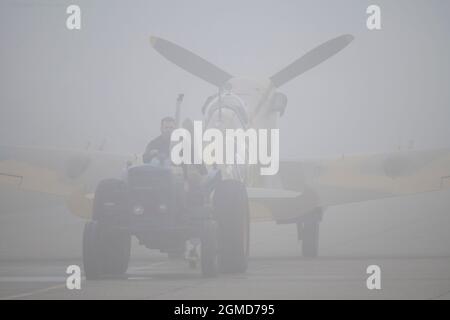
(72, 174)
(263, 200)
(361, 178)
(305, 185)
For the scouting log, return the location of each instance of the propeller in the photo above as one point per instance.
(190, 62)
(311, 59)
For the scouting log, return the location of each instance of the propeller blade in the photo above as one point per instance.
(311, 59)
(190, 62)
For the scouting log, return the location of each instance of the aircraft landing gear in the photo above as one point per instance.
(308, 233)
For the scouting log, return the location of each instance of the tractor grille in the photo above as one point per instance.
(152, 188)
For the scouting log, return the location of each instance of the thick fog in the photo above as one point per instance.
(72, 89)
(105, 87)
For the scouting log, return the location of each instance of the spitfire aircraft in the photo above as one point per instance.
(300, 191)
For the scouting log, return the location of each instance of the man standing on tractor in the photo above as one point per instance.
(161, 144)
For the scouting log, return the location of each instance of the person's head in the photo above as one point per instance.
(167, 125)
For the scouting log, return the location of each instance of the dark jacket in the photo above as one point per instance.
(160, 144)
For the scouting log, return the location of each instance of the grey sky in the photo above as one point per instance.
(64, 88)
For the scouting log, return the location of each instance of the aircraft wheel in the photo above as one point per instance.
(310, 236)
(232, 213)
(208, 250)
